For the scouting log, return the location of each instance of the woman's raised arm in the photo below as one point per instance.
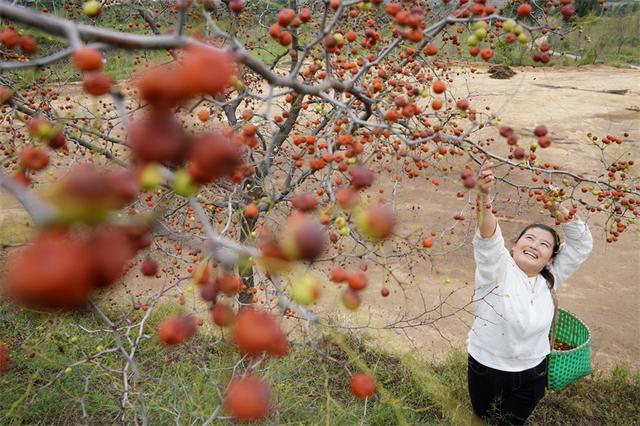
(486, 220)
(488, 244)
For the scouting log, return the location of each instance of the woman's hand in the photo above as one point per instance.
(486, 178)
(557, 210)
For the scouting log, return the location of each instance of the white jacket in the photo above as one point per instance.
(514, 312)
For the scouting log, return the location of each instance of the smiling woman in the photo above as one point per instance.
(508, 342)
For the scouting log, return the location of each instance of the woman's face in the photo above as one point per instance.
(533, 251)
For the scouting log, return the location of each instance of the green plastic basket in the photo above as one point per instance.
(568, 366)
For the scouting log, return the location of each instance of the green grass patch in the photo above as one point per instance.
(309, 386)
(603, 39)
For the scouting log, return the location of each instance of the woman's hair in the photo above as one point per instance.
(546, 273)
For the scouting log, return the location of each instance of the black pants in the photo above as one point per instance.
(505, 397)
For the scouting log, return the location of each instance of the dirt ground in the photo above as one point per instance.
(604, 293)
(428, 309)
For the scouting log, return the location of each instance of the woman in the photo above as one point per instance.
(508, 343)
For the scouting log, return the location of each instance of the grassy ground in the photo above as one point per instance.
(612, 40)
(310, 385)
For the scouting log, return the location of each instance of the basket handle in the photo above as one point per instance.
(552, 337)
(554, 296)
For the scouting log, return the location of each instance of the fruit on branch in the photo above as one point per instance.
(285, 16)
(285, 38)
(375, 221)
(305, 14)
(206, 71)
(175, 331)
(183, 184)
(33, 158)
(462, 104)
(9, 38)
(468, 180)
(391, 115)
(40, 127)
(96, 84)
(213, 156)
(228, 284)
(357, 280)
(255, 332)
(150, 177)
(305, 202)
(347, 198)
(544, 142)
(203, 71)
(303, 239)
(149, 267)
(28, 44)
(202, 274)
(222, 315)
(541, 57)
(91, 8)
(519, 153)
(249, 130)
(109, 250)
(5, 94)
(247, 399)
(361, 177)
(351, 299)
(439, 87)
(392, 9)
(486, 54)
(275, 31)
(427, 243)
(338, 274)
(50, 274)
(305, 289)
(181, 4)
(139, 235)
(540, 130)
(158, 137)
(362, 385)
(236, 6)
(273, 257)
(87, 194)
(567, 11)
(251, 211)
(58, 141)
(209, 292)
(203, 115)
(86, 183)
(505, 131)
(162, 88)
(509, 25)
(87, 59)
(524, 10)
(430, 49)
